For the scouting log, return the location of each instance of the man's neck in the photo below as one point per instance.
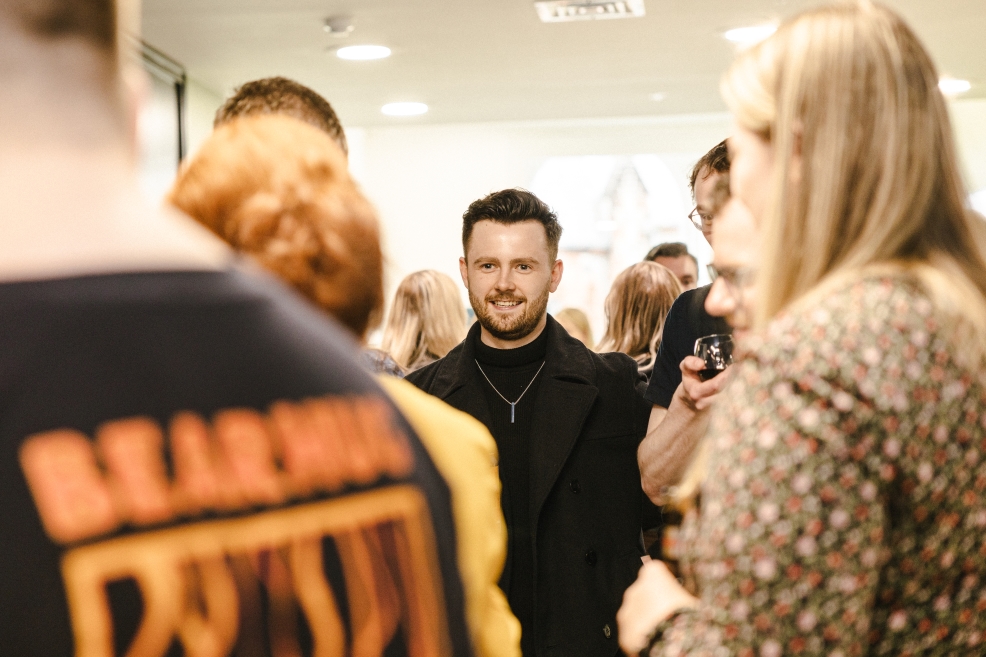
(491, 340)
(72, 210)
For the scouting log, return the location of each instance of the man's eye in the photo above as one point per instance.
(525, 267)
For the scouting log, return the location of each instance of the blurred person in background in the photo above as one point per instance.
(681, 398)
(675, 256)
(636, 307)
(427, 319)
(843, 511)
(576, 322)
(279, 191)
(148, 381)
(736, 242)
(279, 95)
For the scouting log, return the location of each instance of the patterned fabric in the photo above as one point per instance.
(843, 513)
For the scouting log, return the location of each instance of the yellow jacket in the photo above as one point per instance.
(466, 456)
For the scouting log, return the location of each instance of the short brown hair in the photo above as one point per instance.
(279, 95)
(716, 161)
(510, 206)
(280, 190)
(670, 250)
(93, 21)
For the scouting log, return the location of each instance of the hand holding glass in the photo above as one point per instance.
(716, 351)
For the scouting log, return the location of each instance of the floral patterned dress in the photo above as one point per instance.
(844, 510)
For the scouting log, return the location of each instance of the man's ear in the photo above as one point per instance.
(557, 270)
(463, 272)
(135, 89)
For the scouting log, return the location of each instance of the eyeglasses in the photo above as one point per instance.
(700, 220)
(734, 278)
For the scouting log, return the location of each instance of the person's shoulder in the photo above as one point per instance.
(876, 305)
(864, 328)
(615, 373)
(424, 377)
(433, 419)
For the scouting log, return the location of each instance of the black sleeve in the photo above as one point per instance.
(667, 374)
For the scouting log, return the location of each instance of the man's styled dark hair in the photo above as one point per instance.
(510, 206)
(670, 250)
(279, 95)
(93, 21)
(716, 161)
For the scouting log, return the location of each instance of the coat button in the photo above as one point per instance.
(607, 632)
(575, 486)
(590, 557)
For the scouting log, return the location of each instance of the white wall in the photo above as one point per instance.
(969, 122)
(423, 177)
(201, 104)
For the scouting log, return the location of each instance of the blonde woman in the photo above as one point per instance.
(576, 322)
(426, 320)
(844, 510)
(636, 307)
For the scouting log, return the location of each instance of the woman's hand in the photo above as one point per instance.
(651, 599)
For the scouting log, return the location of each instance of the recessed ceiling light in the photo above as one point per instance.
(953, 87)
(658, 97)
(363, 53)
(748, 36)
(404, 109)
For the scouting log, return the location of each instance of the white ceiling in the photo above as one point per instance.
(493, 60)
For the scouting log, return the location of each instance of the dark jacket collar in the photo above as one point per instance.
(566, 358)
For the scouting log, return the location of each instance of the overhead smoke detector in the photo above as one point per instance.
(339, 26)
(564, 11)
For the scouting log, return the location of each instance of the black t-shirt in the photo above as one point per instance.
(687, 321)
(195, 459)
(515, 373)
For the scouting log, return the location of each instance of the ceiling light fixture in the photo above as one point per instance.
(953, 87)
(404, 109)
(658, 97)
(749, 36)
(565, 11)
(363, 53)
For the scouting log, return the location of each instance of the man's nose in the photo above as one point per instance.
(720, 302)
(505, 280)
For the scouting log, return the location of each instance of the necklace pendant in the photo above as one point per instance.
(512, 412)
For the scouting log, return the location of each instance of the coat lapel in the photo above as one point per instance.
(564, 399)
(457, 383)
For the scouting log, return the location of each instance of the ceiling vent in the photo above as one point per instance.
(564, 11)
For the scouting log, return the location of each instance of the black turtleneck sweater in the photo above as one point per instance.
(511, 371)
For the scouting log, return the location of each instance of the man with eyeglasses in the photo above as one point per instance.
(732, 295)
(679, 396)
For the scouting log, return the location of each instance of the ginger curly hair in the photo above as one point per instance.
(279, 190)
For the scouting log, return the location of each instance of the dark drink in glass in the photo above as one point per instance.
(717, 352)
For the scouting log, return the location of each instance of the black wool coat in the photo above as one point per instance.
(585, 494)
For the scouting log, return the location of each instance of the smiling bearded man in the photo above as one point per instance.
(567, 423)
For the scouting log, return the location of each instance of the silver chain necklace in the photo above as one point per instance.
(513, 404)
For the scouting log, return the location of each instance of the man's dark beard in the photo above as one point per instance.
(514, 329)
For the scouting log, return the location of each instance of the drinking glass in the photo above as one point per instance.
(716, 351)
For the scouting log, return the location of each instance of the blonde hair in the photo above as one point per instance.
(866, 177)
(578, 320)
(279, 190)
(426, 320)
(636, 307)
